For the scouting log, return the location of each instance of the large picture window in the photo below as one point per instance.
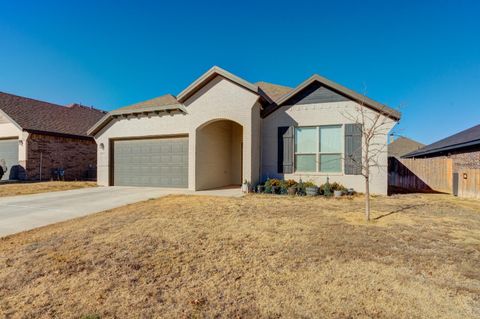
(319, 149)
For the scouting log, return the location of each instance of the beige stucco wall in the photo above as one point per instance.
(321, 114)
(218, 158)
(220, 99)
(236, 140)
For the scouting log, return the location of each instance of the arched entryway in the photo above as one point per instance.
(219, 148)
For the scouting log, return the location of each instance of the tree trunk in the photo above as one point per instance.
(367, 199)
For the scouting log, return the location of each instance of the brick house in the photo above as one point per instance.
(463, 148)
(39, 139)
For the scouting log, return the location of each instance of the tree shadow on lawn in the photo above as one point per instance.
(401, 209)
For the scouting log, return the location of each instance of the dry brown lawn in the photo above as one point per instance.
(14, 189)
(258, 256)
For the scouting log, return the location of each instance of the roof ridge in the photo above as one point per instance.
(85, 107)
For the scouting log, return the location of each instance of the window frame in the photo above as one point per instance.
(317, 151)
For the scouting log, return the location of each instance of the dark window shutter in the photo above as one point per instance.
(285, 149)
(353, 149)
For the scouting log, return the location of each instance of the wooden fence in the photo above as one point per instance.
(421, 175)
(469, 183)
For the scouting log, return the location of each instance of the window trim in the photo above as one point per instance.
(318, 153)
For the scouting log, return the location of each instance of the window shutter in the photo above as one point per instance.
(353, 149)
(285, 149)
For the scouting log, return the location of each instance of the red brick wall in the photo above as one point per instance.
(74, 155)
(467, 160)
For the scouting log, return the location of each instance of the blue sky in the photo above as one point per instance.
(421, 56)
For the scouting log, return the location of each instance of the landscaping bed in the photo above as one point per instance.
(301, 188)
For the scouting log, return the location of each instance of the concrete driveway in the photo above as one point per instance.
(19, 213)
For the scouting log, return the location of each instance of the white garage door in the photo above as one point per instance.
(9, 153)
(158, 162)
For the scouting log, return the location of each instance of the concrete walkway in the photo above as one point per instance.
(19, 213)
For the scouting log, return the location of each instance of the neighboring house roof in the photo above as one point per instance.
(467, 138)
(38, 116)
(402, 146)
(359, 98)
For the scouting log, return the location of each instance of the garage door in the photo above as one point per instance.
(9, 153)
(161, 162)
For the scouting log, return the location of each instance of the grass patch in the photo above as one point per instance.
(26, 188)
(257, 256)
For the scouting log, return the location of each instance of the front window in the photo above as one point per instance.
(319, 149)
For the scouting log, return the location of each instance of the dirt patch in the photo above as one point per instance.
(13, 189)
(257, 256)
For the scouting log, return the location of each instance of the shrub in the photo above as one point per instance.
(301, 186)
(326, 189)
(290, 183)
(337, 187)
(309, 184)
(271, 182)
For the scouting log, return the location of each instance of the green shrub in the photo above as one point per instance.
(290, 183)
(337, 187)
(271, 182)
(286, 184)
(309, 184)
(301, 186)
(326, 189)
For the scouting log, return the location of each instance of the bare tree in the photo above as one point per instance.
(374, 126)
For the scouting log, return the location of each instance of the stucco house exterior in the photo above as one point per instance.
(38, 138)
(222, 129)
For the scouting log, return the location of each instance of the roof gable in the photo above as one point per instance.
(34, 115)
(166, 104)
(210, 75)
(339, 90)
(315, 92)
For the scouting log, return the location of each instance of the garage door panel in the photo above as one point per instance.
(9, 153)
(161, 162)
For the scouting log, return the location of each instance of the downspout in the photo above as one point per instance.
(260, 166)
(41, 159)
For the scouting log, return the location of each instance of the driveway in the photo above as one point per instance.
(19, 213)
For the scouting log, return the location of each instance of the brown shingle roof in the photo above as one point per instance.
(34, 115)
(273, 91)
(163, 100)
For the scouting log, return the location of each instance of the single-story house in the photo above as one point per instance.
(463, 148)
(402, 146)
(38, 139)
(222, 130)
